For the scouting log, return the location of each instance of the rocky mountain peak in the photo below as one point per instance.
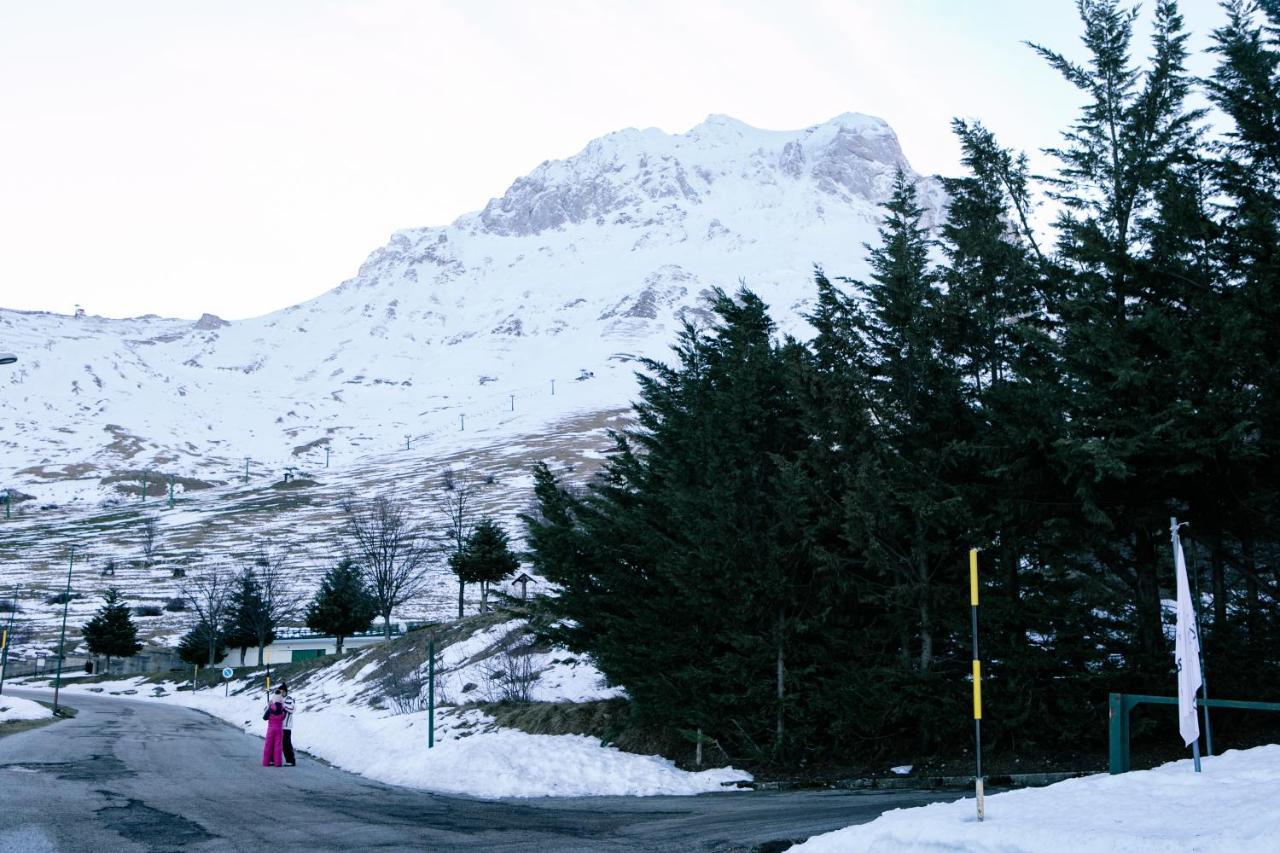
(633, 171)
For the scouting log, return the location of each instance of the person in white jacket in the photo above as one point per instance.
(290, 760)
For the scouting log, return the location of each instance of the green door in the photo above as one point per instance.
(306, 654)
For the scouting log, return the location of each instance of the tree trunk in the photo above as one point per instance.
(386, 624)
(484, 597)
(338, 643)
(1147, 595)
(1219, 589)
(261, 649)
(781, 670)
(461, 590)
(1252, 605)
(1017, 622)
(920, 557)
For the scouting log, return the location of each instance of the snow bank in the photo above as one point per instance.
(1229, 808)
(12, 708)
(471, 755)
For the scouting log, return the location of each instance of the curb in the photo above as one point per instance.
(910, 783)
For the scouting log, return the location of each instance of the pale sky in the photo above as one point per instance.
(175, 157)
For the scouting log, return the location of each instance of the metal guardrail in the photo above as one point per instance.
(1121, 705)
(308, 634)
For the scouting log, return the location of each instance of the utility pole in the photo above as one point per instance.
(462, 423)
(8, 632)
(553, 387)
(62, 640)
(8, 499)
(170, 491)
(513, 402)
(143, 496)
(326, 456)
(406, 441)
(246, 469)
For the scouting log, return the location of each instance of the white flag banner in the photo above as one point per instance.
(1186, 651)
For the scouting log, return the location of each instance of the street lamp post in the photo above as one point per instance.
(62, 641)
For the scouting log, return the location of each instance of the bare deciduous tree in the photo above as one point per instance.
(150, 532)
(456, 501)
(510, 675)
(209, 593)
(275, 602)
(393, 553)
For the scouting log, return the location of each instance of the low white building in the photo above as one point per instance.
(295, 644)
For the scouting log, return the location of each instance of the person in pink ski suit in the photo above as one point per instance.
(273, 749)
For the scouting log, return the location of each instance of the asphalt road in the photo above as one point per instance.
(133, 776)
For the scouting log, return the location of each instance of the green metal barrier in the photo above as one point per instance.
(1120, 705)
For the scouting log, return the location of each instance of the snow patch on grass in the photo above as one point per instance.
(12, 709)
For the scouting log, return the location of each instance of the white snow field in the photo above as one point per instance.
(12, 708)
(1231, 807)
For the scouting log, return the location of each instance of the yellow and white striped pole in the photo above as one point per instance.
(977, 677)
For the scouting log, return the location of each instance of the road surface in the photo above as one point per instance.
(132, 776)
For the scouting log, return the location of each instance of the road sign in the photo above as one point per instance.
(227, 672)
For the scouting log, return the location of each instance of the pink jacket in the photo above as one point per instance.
(275, 715)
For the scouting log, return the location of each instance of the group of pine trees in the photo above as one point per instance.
(348, 600)
(776, 557)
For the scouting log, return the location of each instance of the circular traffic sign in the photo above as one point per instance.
(227, 672)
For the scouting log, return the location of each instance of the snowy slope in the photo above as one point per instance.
(1228, 808)
(505, 337)
(582, 259)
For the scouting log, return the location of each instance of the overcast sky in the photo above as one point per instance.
(237, 157)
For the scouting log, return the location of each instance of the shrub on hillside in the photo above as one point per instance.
(147, 610)
(62, 598)
(175, 605)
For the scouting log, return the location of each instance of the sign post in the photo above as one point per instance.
(4, 651)
(431, 692)
(977, 679)
(227, 672)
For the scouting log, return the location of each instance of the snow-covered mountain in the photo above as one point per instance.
(507, 337)
(581, 265)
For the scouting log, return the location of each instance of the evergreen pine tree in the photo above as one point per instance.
(1132, 139)
(111, 632)
(682, 571)
(248, 623)
(194, 648)
(904, 505)
(1246, 86)
(486, 558)
(342, 606)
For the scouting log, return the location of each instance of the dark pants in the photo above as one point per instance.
(288, 747)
